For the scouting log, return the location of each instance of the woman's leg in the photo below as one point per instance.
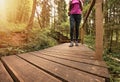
(72, 22)
(77, 25)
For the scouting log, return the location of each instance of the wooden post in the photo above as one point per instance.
(82, 35)
(99, 30)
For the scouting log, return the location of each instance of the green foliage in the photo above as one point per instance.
(12, 27)
(45, 13)
(85, 8)
(111, 25)
(63, 28)
(39, 39)
(61, 10)
(113, 66)
(90, 41)
(16, 27)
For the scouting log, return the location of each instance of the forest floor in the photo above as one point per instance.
(9, 40)
(14, 39)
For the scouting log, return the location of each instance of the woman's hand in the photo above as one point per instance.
(69, 13)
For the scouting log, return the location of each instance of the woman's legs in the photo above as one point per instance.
(74, 22)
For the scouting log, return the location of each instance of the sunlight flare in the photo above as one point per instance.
(2, 10)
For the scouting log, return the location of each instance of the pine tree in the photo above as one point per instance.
(62, 16)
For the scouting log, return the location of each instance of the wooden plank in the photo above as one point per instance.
(22, 71)
(71, 54)
(74, 51)
(84, 52)
(99, 71)
(65, 72)
(4, 76)
(72, 58)
(65, 47)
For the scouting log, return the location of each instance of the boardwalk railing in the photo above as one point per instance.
(98, 25)
(85, 20)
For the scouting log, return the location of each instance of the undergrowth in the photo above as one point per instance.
(35, 39)
(109, 58)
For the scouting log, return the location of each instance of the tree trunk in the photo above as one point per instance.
(38, 18)
(30, 23)
(111, 41)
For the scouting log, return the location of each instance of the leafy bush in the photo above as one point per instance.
(12, 27)
(62, 28)
(113, 66)
(38, 39)
(90, 41)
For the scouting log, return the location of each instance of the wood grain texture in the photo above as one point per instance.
(22, 71)
(80, 54)
(4, 76)
(100, 71)
(62, 71)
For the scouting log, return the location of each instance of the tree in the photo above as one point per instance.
(18, 11)
(30, 23)
(45, 14)
(62, 16)
(111, 16)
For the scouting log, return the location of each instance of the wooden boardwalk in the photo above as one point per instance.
(56, 64)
